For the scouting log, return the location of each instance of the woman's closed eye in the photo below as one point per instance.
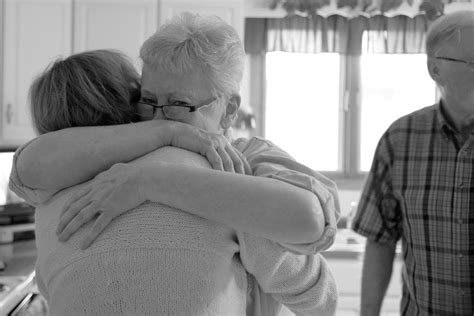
(145, 99)
(178, 103)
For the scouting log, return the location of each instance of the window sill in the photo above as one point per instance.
(345, 182)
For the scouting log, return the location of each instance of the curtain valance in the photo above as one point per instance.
(337, 34)
(367, 8)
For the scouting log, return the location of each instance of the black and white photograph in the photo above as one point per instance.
(237, 157)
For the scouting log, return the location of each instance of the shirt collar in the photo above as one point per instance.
(445, 123)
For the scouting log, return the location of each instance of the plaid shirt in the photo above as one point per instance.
(420, 189)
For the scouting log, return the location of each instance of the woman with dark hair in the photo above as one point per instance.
(91, 88)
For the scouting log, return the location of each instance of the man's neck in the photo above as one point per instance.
(462, 121)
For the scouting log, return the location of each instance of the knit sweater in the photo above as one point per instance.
(158, 260)
(153, 260)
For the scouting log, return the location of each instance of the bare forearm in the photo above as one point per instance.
(64, 158)
(261, 206)
(376, 274)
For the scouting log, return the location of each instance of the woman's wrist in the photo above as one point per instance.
(150, 177)
(164, 131)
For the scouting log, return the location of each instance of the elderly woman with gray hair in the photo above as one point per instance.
(192, 71)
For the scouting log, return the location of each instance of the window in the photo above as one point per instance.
(314, 111)
(302, 111)
(392, 86)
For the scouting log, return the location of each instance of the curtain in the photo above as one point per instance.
(308, 35)
(339, 26)
(353, 8)
(397, 35)
(337, 34)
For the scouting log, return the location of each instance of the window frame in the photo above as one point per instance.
(350, 98)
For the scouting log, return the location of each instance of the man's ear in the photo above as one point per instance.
(434, 70)
(232, 109)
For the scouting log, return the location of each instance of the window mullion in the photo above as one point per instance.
(257, 93)
(351, 115)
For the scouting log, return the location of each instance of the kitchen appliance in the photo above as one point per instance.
(16, 216)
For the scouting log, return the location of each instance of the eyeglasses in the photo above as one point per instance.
(174, 110)
(470, 64)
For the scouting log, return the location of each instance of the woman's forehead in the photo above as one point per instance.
(192, 84)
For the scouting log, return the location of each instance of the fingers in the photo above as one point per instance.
(100, 224)
(227, 161)
(225, 157)
(214, 159)
(81, 193)
(77, 221)
(71, 210)
(246, 169)
(236, 157)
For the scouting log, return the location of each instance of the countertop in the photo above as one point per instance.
(19, 258)
(17, 276)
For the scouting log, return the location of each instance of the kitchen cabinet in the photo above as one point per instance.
(230, 11)
(116, 24)
(35, 32)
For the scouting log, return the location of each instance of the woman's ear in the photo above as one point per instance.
(231, 111)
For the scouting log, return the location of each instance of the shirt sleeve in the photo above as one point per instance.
(303, 283)
(268, 160)
(379, 215)
(30, 195)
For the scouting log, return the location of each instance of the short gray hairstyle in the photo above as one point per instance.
(446, 26)
(189, 41)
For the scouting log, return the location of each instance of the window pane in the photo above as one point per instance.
(302, 107)
(392, 85)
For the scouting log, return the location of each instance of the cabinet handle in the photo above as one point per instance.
(9, 113)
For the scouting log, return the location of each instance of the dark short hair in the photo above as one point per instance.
(86, 89)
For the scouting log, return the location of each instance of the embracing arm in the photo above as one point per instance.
(60, 159)
(64, 158)
(303, 283)
(262, 206)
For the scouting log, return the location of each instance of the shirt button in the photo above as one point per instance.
(461, 185)
(460, 255)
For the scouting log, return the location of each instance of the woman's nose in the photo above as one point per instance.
(158, 115)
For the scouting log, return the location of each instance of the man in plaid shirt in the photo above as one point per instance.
(421, 188)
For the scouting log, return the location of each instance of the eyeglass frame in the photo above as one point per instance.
(470, 64)
(192, 108)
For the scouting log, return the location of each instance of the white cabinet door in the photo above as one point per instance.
(114, 24)
(230, 11)
(36, 32)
